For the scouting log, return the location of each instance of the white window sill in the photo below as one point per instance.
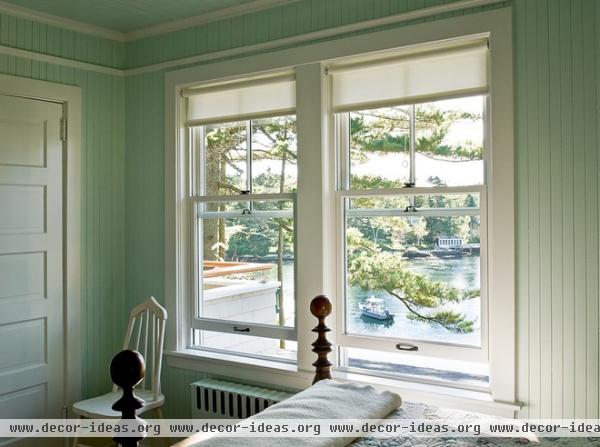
(248, 369)
(286, 376)
(439, 395)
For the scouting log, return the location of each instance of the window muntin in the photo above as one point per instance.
(412, 225)
(245, 235)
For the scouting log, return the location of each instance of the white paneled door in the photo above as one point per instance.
(31, 259)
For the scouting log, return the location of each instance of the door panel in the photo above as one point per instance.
(22, 275)
(31, 259)
(27, 348)
(23, 209)
(23, 142)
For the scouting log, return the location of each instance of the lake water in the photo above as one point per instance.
(462, 273)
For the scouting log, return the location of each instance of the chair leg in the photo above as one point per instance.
(158, 414)
(76, 438)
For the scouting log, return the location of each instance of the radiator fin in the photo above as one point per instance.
(219, 399)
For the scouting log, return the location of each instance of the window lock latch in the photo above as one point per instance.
(410, 208)
(246, 211)
(406, 347)
(241, 329)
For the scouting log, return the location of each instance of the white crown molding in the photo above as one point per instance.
(162, 28)
(270, 45)
(61, 22)
(203, 19)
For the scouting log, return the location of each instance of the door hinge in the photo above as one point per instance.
(63, 129)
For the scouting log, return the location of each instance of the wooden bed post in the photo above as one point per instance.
(127, 369)
(320, 307)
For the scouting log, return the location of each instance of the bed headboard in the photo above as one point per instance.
(320, 307)
(127, 369)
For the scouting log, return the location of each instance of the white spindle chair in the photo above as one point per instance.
(146, 329)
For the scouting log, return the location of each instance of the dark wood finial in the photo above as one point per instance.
(320, 307)
(127, 369)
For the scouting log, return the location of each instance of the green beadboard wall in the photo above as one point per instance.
(557, 74)
(103, 178)
(45, 39)
(557, 78)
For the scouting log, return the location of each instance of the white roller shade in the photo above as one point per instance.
(241, 100)
(410, 78)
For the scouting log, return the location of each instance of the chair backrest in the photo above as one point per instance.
(146, 334)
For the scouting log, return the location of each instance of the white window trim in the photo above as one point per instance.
(316, 235)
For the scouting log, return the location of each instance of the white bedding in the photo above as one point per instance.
(324, 400)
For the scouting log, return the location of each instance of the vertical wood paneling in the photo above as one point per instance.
(579, 199)
(25, 34)
(555, 221)
(522, 216)
(103, 162)
(590, 83)
(557, 204)
(176, 386)
(144, 172)
(568, 217)
(545, 248)
(533, 148)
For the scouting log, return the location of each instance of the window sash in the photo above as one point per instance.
(426, 348)
(287, 213)
(388, 344)
(270, 197)
(256, 329)
(341, 122)
(228, 326)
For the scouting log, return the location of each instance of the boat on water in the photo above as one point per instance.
(375, 308)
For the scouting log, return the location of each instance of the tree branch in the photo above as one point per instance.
(420, 315)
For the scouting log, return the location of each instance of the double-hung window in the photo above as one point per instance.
(375, 169)
(243, 183)
(411, 150)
